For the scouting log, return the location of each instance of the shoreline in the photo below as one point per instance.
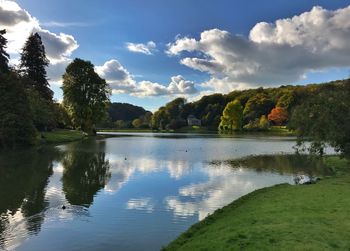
(280, 217)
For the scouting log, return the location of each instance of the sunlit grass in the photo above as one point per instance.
(283, 217)
(60, 136)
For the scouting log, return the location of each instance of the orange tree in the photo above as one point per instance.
(278, 116)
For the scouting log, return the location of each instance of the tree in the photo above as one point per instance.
(137, 123)
(256, 106)
(33, 63)
(278, 116)
(4, 56)
(16, 126)
(85, 95)
(160, 119)
(232, 116)
(325, 119)
(42, 111)
(263, 123)
(286, 100)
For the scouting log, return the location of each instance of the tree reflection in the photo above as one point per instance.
(23, 179)
(86, 171)
(284, 164)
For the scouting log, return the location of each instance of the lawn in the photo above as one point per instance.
(61, 136)
(282, 217)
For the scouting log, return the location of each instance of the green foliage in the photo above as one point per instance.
(4, 56)
(160, 119)
(42, 111)
(121, 124)
(61, 116)
(232, 117)
(264, 123)
(124, 111)
(325, 119)
(16, 126)
(170, 116)
(286, 100)
(137, 123)
(256, 106)
(85, 95)
(33, 64)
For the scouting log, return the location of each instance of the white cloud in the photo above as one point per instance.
(142, 48)
(19, 24)
(58, 47)
(116, 76)
(121, 81)
(275, 53)
(64, 24)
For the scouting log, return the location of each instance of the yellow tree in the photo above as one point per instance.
(232, 117)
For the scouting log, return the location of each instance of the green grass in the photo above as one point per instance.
(61, 136)
(281, 130)
(282, 217)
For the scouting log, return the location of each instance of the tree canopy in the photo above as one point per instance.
(16, 125)
(85, 94)
(33, 64)
(232, 116)
(278, 116)
(325, 119)
(4, 56)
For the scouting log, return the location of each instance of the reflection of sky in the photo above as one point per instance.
(223, 186)
(158, 188)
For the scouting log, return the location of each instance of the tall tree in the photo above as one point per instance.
(85, 94)
(16, 126)
(232, 116)
(34, 62)
(4, 56)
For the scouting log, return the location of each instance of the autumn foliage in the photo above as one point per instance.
(278, 116)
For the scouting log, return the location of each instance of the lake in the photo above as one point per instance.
(133, 191)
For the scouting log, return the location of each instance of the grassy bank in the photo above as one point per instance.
(283, 217)
(60, 136)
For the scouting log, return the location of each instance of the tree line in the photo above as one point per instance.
(316, 112)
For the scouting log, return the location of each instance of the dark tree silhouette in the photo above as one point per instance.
(4, 56)
(33, 63)
(16, 125)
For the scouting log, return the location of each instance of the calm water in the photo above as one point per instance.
(133, 191)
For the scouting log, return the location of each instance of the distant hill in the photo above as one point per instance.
(125, 111)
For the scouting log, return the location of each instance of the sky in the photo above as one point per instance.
(151, 52)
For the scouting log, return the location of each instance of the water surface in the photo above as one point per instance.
(133, 191)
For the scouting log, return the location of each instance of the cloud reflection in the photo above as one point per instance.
(224, 185)
(144, 204)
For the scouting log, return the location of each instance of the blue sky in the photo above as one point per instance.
(102, 29)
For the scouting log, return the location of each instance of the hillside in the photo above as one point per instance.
(125, 111)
